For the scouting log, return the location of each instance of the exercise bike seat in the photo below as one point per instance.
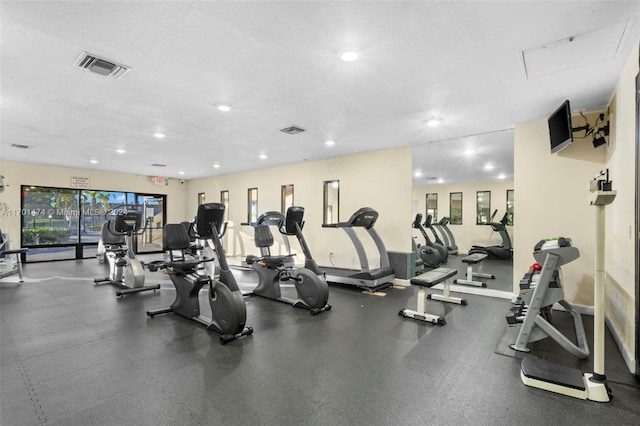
(175, 237)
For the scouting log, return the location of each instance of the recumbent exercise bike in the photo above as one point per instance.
(311, 286)
(228, 310)
(125, 271)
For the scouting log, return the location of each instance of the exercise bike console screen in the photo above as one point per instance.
(210, 216)
(295, 214)
(128, 222)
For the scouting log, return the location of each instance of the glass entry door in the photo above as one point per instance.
(153, 207)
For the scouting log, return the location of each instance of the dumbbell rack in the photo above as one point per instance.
(540, 288)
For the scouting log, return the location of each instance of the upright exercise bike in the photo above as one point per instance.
(429, 253)
(125, 271)
(228, 310)
(311, 286)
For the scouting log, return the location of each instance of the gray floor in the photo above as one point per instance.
(74, 354)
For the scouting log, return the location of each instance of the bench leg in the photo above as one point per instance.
(481, 274)
(446, 297)
(469, 279)
(420, 313)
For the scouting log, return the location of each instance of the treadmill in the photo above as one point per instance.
(370, 279)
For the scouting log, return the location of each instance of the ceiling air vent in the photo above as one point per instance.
(158, 165)
(293, 130)
(101, 66)
(18, 146)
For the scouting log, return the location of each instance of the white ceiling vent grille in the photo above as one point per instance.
(293, 130)
(101, 66)
(158, 165)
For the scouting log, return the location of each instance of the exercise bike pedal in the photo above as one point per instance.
(226, 338)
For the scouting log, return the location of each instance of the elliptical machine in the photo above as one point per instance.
(228, 310)
(505, 250)
(311, 286)
(125, 271)
(447, 235)
(429, 254)
(438, 244)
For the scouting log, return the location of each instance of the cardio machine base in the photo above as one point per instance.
(540, 374)
(308, 286)
(123, 289)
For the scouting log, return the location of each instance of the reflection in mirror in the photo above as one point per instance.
(453, 165)
(483, 207)
(224, 200)
(331, 210)
(432, 206)
(455, 208)
(286, 197)
(252, 205)
(510, 198)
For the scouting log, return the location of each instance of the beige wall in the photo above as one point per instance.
(552, 199)
(468, 233)
(16, 174)
(380, 180)
(621, 227)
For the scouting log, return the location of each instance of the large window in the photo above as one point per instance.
(432, 206)
(63, 223)
(455, 208)
(510, 200)
(331, 210)
(483, 207)
(252, 205)
(286, 197)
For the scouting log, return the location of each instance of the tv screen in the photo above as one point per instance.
(560, 132)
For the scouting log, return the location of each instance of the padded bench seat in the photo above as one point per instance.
(470, 260)
(428, 280)
(433, 277)
(474, 258)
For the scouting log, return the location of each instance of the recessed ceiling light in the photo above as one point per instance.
(469, 152)
(501, 176)
(224, 108)
(349, 56)
(159, 135)
(263, 156)
(93, 161)
(120, 151)
(488, 166)
(216, 166)
(417, 174)
(330, 143)
(440, 180)
(433, 122)
(181, 173)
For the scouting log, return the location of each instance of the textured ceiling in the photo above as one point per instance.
(278, 64)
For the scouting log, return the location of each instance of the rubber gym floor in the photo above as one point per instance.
(74, 354)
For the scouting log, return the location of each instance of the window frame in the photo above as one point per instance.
(452, 219)
(335, 216)
(479, 209)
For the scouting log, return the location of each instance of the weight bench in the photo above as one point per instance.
(474, 259)
(428, 280)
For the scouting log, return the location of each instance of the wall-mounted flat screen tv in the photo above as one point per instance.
(560, 133)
